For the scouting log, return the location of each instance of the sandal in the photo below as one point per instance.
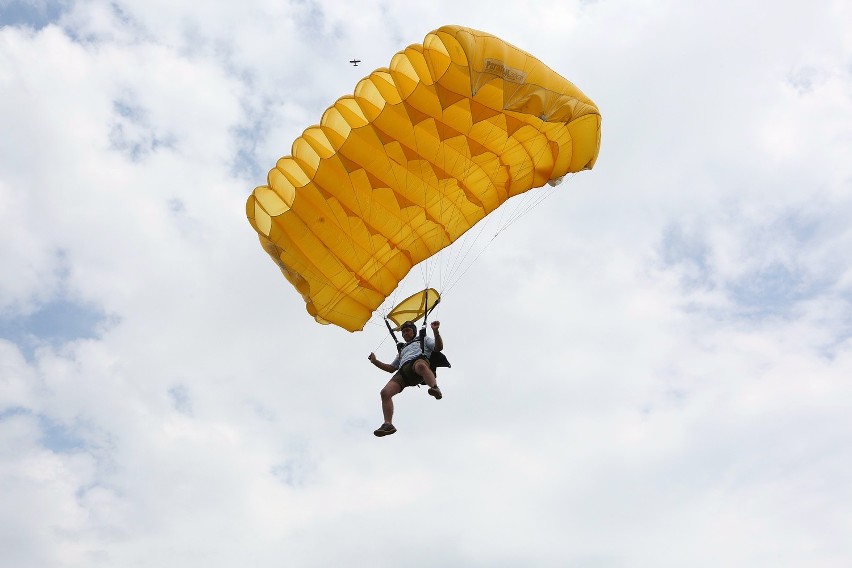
(385, 430)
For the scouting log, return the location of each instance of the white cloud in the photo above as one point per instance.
(648, 369)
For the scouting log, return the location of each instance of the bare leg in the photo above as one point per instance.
(422, 368)
(387, 394)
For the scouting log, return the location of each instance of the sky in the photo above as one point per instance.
(652, 368)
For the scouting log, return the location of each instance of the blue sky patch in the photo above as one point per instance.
(181, 400)
(55, 436)
(55, 323)
(32, 13)
(309, 16)
(245, 162)
(690, 252)
(58, 437)
(131, 133)
(771, 291)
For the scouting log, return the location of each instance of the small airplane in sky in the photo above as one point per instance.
(355, 62)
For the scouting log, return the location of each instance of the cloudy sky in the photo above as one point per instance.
(653, 368)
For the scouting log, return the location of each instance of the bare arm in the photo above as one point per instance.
(383, 366)
(439, 341)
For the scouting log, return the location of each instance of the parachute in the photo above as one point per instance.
(416, 156)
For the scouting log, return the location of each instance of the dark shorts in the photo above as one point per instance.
(406, 376)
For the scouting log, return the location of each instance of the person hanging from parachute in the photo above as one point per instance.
(421, 152)
(413, 368)
(418, 356)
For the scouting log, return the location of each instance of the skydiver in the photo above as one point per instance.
(412, 368)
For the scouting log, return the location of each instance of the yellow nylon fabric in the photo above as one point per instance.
(415, 157)
(414, 307)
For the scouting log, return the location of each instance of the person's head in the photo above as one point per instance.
(409, 330)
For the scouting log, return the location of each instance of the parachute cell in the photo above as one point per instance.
(421, 152)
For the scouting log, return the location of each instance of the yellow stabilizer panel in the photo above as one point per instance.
(414, 307)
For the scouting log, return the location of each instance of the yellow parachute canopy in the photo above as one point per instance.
(414, 307)
(419, 154)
